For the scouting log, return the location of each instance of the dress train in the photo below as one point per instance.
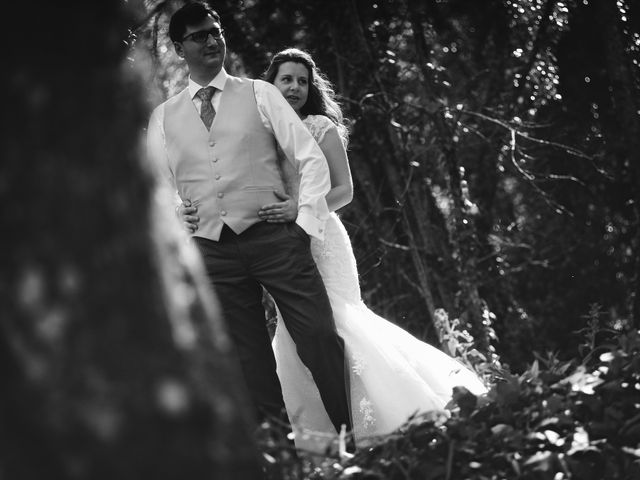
(392, 374)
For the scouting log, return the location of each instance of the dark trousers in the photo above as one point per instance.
(277, 256)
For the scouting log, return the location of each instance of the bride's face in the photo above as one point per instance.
(292, 80)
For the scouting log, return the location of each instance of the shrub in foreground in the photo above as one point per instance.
(577, 419)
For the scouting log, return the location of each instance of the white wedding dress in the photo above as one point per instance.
(393, 375)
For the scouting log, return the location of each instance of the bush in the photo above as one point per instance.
(557, 420)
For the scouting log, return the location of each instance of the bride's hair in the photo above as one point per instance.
(322, 98)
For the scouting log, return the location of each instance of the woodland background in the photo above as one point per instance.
(496, 214)
(494, 152)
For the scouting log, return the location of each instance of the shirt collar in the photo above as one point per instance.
(218, 81)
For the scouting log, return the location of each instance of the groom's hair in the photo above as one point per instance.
(190, 14)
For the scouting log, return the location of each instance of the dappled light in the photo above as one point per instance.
(495, 215)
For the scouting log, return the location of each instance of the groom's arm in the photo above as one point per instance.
(300, 148)
(158, 160)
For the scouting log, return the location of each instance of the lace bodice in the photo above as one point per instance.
(318, 125)
(336, 262)
(334, 256)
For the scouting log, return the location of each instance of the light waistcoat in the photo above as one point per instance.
(228, 172)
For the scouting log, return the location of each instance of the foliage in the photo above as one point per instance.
(492, 153)
(557, 420)
(460, 344)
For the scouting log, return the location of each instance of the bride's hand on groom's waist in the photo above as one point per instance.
(280, 212)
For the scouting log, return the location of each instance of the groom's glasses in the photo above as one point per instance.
(202, 35)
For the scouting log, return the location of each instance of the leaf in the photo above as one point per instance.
(352, 470)
(508, 390)
(632, 451)
(582, 381)
(580, 441)
(554, 438)
(466, 400)
(543, 460)
(501, 429)
(553, 403)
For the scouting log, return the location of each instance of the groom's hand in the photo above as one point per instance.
(187, 213)
(281, 212)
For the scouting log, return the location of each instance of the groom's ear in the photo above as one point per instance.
(179, 50)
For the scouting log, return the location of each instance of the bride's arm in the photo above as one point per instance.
(286, 210)
(290, 178)
(341, 192)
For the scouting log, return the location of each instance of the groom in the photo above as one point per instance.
(215, 142)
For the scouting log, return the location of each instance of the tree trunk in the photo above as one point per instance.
(625, 136)
(461, 233)
(113, 357)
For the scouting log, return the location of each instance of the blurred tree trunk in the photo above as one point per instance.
(113, 358)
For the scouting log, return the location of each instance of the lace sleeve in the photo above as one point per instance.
(318, 125)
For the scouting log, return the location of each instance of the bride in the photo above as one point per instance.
(393, 375)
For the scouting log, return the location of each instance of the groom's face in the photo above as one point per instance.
(203, 56)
